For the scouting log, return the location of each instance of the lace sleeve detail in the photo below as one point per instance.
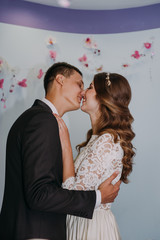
(69, 183)
(110, 155)
(97, 162)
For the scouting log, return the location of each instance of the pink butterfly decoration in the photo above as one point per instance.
(53, 54)
(23, 83)
(1, 83)
(136, 55)
(40, 74)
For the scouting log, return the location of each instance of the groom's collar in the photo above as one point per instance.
(50, 105)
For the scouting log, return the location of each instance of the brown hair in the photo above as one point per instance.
(114, 96)
(58, 68)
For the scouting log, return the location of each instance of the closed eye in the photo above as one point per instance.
(90, 86)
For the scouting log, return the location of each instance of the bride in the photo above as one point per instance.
(108, 148)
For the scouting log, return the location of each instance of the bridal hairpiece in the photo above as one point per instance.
(108, 81)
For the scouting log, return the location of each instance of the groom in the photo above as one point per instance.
(34, 204)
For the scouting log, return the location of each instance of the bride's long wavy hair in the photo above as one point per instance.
(116, 118)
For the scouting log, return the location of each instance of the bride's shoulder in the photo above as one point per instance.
(105, 138)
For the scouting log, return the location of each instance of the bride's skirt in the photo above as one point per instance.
(102, 226)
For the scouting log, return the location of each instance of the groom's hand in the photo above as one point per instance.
(109, 191)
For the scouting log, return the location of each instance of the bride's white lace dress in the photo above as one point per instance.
(98, 160)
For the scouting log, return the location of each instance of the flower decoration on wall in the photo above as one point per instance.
(3, 100)
(51, 41)
(40, 74)
(53, 55)
(1, 62)
(92, 45)
(8, 81)
(11, 88)
(89, 59)
(1, 83)
(83, 60)
(146, 50)
(10, 78)
(13, 80)
(147, 45)
(22, 83)
(149, 49)
(136, 55)
(142, 55)
(51, 44)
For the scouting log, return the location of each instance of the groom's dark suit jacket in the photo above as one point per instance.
(34, 204)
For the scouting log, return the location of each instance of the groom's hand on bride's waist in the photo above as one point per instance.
(109, 191)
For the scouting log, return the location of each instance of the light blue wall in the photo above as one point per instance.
(137, 207)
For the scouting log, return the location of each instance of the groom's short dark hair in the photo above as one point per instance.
(58, 68)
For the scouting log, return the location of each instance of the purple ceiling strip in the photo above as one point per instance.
(34, 15)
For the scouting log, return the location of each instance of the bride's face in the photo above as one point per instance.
(90, 103)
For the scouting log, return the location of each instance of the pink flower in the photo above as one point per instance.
(147, 45)
(83, 58)
(52, 54)
(40, 74)
(22, 83)
(1, 62)
(136, 55)
(1, 83)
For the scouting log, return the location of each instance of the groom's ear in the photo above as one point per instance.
(60, 79)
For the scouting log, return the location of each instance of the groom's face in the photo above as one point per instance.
(72, 91)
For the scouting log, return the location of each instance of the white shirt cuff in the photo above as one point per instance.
(98, 198)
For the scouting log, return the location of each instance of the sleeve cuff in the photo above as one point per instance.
(98, 198)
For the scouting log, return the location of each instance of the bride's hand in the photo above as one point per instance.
(64, 135)
(67, 157)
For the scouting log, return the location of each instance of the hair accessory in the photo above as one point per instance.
(108, 81)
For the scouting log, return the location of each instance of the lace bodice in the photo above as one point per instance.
(98, 160)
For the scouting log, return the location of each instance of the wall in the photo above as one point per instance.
(25, 50)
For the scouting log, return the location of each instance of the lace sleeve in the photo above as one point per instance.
(102, 158)
(110, 155)
(69, 183)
